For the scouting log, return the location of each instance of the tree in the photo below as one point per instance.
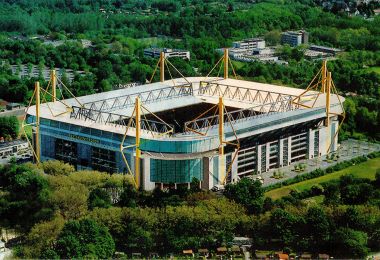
(128, 197)
(273, 37)
(230, 7)
(283, 226)
(9, 126)
(247, 192)
(332, 193)
(55, 167)
(99, 198)
(166, 5)
(105, 85)
(318, 227)
(69, 197)
(42, 237)
(26, 198)
(350, 243)
(84, 239)
(356, 193)
(377, 179)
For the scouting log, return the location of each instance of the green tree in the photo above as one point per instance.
(318, 227)
(99, 198)
(350, 243)
(283, 226)
(42, 237)
(84, 239)
(26, 198)
(273, 37)
(54, 167)
(68, 197)
(248, 193)
(128, 197)
(356, 193)
(9, 126)
(332, 193)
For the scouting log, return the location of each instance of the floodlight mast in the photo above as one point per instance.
(226, 63)
(53, 85)
(222, 164)
(162, 66)
(138, 131)
(328, 93)
(37, 132)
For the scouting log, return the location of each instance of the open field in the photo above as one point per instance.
(374, 69)
(363, 170)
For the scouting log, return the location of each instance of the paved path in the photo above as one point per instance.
(347, 150)
(15, 112)
(6, 254)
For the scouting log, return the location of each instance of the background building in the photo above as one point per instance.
(324, 49)
(295, 38)
(249, 44)
(168, 53)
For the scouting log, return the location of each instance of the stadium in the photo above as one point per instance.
(215, 129)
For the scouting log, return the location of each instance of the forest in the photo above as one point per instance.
(62, 213)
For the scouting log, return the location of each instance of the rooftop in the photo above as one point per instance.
(185, 98)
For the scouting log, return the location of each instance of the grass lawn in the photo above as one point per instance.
(374, 69)
(363, 170)
(237, 64)
(314, 200)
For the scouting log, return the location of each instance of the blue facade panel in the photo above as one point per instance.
(86, 140)
(175, 171)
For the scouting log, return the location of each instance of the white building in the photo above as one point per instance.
(249, 44)
(168, 53)
(295, 38)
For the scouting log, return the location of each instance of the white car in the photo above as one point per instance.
(260, 179)
(256, 178)
(218, 187)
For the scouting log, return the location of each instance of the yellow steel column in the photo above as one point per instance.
(162, 66)
(226, 63)
(37, 136)
(222, 166)
(138, 152)
(53, 86)
(324, 75)
(328, 91)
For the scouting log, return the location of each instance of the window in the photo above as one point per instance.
(103, 160)
(66, 151)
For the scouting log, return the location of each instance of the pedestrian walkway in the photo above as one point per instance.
(347, 150)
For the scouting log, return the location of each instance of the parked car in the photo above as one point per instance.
(218, 187)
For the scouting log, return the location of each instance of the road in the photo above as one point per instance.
(15, 112)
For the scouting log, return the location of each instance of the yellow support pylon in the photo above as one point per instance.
(324, 76)
(37, 133)
(138, 151)
(328, 93)
(53, 86)
(226, 63)
(162, 67)
(222, 163)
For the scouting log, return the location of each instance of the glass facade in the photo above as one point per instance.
(88, 148)
(175, 171)
(66, 151)
(103, 160)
